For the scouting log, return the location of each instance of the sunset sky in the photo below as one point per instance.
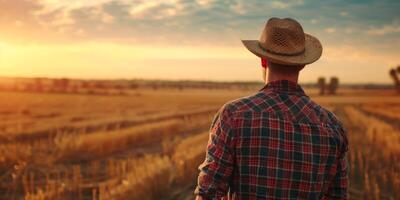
(190, 39)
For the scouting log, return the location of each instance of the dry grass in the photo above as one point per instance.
(187, 157)
(374, 155)
(150, 177)
(28, 113)
(146, 178)
(153, 178)
(150, 145)
(389, 111)
(84, 147)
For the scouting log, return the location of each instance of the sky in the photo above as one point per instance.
(191, 39)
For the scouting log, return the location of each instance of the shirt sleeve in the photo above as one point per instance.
(216, 170)
(338, 189)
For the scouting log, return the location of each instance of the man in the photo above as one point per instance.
(277, 143)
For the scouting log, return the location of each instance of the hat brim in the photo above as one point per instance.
(312, 52)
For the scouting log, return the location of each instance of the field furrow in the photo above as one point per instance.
(148, 146)
(374, 154)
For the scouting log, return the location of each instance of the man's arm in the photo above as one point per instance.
(217, 168)
(338, 189)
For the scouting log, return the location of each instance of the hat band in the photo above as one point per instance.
(282, 54)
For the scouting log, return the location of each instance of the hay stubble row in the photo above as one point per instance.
(148, 146)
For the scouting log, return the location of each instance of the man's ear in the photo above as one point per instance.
(264, 62)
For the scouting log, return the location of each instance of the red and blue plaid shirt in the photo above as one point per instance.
(276, 144)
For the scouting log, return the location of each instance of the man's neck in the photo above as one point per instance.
(274, 77)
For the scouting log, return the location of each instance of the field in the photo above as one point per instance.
(147, 145)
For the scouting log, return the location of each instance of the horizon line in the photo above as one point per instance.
(178, 80)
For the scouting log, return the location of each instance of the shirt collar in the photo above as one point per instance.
(284, 86)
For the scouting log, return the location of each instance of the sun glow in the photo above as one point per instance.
(108, 59)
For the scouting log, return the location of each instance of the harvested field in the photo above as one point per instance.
(148, 145)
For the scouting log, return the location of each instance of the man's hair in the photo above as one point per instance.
(285, 69)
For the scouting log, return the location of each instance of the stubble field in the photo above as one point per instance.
(148, 145)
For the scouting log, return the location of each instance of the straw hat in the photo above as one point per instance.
(283, 41)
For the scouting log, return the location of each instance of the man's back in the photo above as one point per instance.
(276, 144)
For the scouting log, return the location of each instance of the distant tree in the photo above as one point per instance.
(100, 85)
(56, 85)
(29, 87)
(133, 86)
(333, 85)
(75, 88)
(38, 84)
(85, 85)
(321, 84)
(118, 87)
(398, 81)
(60, 85)
(15, 86)
(154, 86)
(395, 78)
(64, 84)
(393, 73)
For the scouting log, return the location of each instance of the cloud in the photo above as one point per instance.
(349, 30)
(201, 24)
(286, 4)
(191, 22)
(314, 21)
(238, 8)
(356, 54)
(279, 5)
(330, 30)
(156, 10)
(344, 14)
(20, 10)
(141, 9)
(384, 30)
(52, 4)
(204, 2)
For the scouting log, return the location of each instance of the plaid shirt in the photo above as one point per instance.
(276, 144)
